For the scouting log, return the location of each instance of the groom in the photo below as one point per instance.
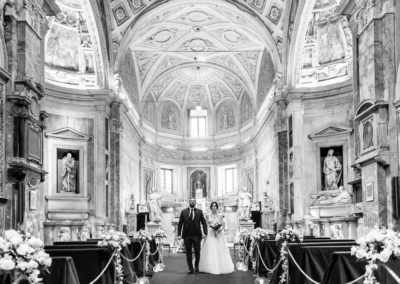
(190, 219)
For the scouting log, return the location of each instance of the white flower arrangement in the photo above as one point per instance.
(259, 233)
(23, 255)
(161, 234)
(283, 238)
(377, 246)
(143, 235)
(243, 234)
(115, 240)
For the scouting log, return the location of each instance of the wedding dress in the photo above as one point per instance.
(214, 256)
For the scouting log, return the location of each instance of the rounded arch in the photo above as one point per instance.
(152, 10)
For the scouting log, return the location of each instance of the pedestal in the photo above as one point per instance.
(249, 226)
(153, 227)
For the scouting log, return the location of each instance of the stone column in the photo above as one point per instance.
(115, 140)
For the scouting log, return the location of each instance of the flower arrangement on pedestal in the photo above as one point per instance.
(146, 237)
(284, 237)
(159, 236)
(115, 240)
(23, 256)
(379, 245)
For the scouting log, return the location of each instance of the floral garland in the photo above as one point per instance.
(283, 238)
(377, 246)
(115, 241)
(159, 234)
(143, 235)
(24, 255)
(146, 237)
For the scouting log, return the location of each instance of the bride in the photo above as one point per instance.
(214, 256)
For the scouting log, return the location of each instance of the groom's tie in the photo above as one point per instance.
(191, 214)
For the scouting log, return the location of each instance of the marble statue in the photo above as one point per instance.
(336, 232)
(244, 204)
(155, 213)
(332, 171)
(64, 235)
(68, 174)
(100, 232)
(85, 233)
(333, 197)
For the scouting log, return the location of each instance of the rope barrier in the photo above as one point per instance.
(392, 273)
(134, 259)
(154, 252)
(268, 269)
(105, 268)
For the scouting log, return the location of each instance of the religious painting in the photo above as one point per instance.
(246, 108)
(226, 116)
(198, 181)
(331, 161)
(367, 134)
(120, 14)
(330, 42)
(148, 111)
(369, 192)
(148, 182)
(248, 179)
(67, 171)
(274, 14)
(169, 117)
(62, 50)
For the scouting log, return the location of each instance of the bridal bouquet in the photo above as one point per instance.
(23, 255)
(216, 226)
(377, 245)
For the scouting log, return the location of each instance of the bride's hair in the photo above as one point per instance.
(214, 203)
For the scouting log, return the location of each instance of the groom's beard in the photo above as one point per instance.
(192, 206)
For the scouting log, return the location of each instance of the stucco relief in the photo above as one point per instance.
(145, 61)
(249, 61)
(234, 84)
(218, 92)
(137, 5)
(159, 87)
(177, 92)
(197, 93)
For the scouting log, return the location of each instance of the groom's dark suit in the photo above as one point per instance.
(191, 233)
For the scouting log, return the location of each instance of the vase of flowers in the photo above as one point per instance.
(23, 256)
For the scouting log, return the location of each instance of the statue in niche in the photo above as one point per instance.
(155, 213)
(69, 171)
(244, 204)
(168, 118)
(332, 171)
(227, 118)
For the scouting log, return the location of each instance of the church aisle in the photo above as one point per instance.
(176, 268)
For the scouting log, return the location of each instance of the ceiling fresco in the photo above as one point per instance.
(200, 51)
(72, 53)
(327, 52)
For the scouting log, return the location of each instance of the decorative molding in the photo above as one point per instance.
(331, 131)
(68, 134)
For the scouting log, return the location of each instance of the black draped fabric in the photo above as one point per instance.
(62, 271)
(345, 268)
(134, 249)
(269, 252)
(313, 258)
(89, 262)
